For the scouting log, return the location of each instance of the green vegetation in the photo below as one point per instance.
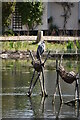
(7, 10)
(73, 46)
(53, 29)
(70, 46)
(28, 45)
(15, 46)
(78, 45)
(17, 64)
(31, 13)
(9, 33)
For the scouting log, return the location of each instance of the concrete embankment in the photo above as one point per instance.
(26, 54)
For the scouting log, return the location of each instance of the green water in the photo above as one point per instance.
(16, 76)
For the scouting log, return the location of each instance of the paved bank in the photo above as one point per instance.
(26, 54)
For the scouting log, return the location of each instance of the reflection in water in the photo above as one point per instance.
(37, 109)
(15, 83)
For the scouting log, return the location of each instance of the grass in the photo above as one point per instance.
(23, 46)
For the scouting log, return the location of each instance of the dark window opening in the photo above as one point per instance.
(16, 23)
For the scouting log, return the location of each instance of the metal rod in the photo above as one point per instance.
(77, 98)
(46, 57)
(41, 84)
(59, 89)
(31, 56)
(56, 80)
(59, 109)
(39, 57)
(35, 82)
(31, 80)
(43, 81)
(58, 84)
(43, 92)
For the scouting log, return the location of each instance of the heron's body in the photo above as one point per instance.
(41, 48)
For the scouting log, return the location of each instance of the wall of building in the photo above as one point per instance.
(79, 15)
(55, 10)
(44, 20)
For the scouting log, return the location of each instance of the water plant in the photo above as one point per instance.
(78, 45)
(70, 46)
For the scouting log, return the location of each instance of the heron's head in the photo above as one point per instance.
(43, 41)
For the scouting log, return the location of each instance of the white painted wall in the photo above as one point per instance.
(44, 25)
(79, 15)
(79, 11)
(55, 10)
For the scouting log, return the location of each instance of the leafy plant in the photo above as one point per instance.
(11, 45)
(7, 10)
(31, 13)
(70, 46)
(78, 45)
(9, 33)
(53, 29)
(17, 45)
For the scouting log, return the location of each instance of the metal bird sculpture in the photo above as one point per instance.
(68, 77)
(38, 66)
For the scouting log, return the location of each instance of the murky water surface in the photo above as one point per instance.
(16, 76)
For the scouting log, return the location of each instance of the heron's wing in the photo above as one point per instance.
(40, 49)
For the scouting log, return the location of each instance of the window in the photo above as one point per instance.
(16, 23)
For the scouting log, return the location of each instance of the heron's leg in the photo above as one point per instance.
(29, 92)
(34, 83)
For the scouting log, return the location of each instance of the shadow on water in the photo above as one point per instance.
(16, 77)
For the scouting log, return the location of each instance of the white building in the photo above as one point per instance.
(56, 11)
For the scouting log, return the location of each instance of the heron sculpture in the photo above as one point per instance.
(68, 77)
(40, 49)
(38, 66)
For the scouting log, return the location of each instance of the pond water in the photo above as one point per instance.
(16, 76)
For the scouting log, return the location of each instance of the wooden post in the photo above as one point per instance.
(39, 36)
